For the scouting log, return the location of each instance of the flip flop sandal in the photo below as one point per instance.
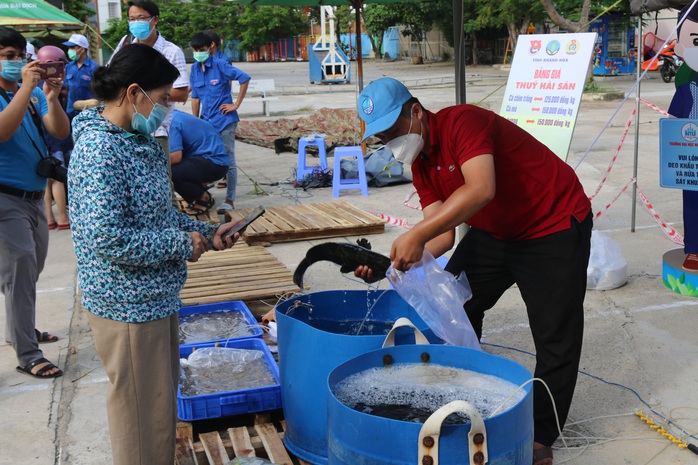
(543, 456)
(45, 338)
(222, 185)
(199, 207)
(27, 370)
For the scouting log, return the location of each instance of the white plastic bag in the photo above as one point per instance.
(607, 268)
(438, 298)
(249, 461)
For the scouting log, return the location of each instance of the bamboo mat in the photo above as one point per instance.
(241, 273)
(309, 221)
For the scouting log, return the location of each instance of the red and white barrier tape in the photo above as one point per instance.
(403, 223)
(670, 232)
(407, 199)
(654, 107)
(601, 212)
(615, 155)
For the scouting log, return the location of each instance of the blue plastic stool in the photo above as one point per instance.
(304, 169)
(357, 183)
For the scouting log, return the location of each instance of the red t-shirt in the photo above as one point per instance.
(536, 192)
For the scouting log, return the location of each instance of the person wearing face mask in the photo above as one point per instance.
(143, 19)
(132, 246)
(685, 105)
(211, 100)
(78, 75)
(530, 225)
(26, 112)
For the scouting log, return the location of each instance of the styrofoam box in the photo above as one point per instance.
(228, 403)
(232, 305)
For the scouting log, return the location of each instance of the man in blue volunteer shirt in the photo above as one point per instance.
(25, 112)
(198, 156)
(212, 101)
(78, 75)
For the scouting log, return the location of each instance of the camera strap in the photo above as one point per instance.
(35, 118)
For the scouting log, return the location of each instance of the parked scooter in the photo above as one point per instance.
(667, 63)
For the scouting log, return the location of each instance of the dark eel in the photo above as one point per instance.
(348, 256)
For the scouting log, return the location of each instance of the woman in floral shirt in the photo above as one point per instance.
(131, 246)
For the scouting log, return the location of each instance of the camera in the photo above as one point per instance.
(50, 167)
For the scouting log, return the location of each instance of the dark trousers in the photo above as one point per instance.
(690, 221)
(551, 273)
(189, 175)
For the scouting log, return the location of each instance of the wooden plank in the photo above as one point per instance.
(241, 273)
(185, 430)
(184, 446)
(242, 445)
(309, 221)
(214, 448)
(272, 444)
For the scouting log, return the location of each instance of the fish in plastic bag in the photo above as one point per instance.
(249, 461)
(438, 298)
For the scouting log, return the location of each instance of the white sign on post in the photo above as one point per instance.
(545, 86)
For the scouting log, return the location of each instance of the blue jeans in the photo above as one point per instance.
(228, 135)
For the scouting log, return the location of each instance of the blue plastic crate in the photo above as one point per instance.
(232, 305)
(223, 404)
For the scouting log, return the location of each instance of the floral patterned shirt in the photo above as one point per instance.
(131, 243)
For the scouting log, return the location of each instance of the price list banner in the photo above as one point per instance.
(678, 153)
(545, 86)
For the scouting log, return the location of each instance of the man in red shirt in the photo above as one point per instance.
(530, 225)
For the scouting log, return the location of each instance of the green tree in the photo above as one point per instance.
(261, 24)
(377, 19)
(417, 19)
(78, 9)
(575, 15)
(515, 15)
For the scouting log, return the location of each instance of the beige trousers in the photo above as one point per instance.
(142, 363)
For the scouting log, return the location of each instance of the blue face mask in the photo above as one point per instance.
(140, 29)
(201, 57)
(12, 69)
(141, 125)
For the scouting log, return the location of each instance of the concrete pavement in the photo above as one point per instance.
(640, 336)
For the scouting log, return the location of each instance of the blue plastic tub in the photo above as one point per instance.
(223, 404)
(237, 306)
(355, 437)
(310, 347)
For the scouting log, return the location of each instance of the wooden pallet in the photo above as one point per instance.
(209, 216)
(262, 439)
(241, 273)
(310, 221)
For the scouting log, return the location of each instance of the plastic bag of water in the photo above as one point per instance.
(438, 297)
(249, 461)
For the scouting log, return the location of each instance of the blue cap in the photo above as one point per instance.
(380, 104)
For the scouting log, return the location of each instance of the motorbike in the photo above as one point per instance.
(667, 62)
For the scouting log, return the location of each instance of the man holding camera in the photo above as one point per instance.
(25, 112)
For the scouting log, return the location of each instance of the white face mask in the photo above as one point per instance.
(690, 56)
(406, 148)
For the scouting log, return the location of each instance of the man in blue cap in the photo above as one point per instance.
(78, 75)
(530, 225)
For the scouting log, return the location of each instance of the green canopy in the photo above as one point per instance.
(32, 17)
